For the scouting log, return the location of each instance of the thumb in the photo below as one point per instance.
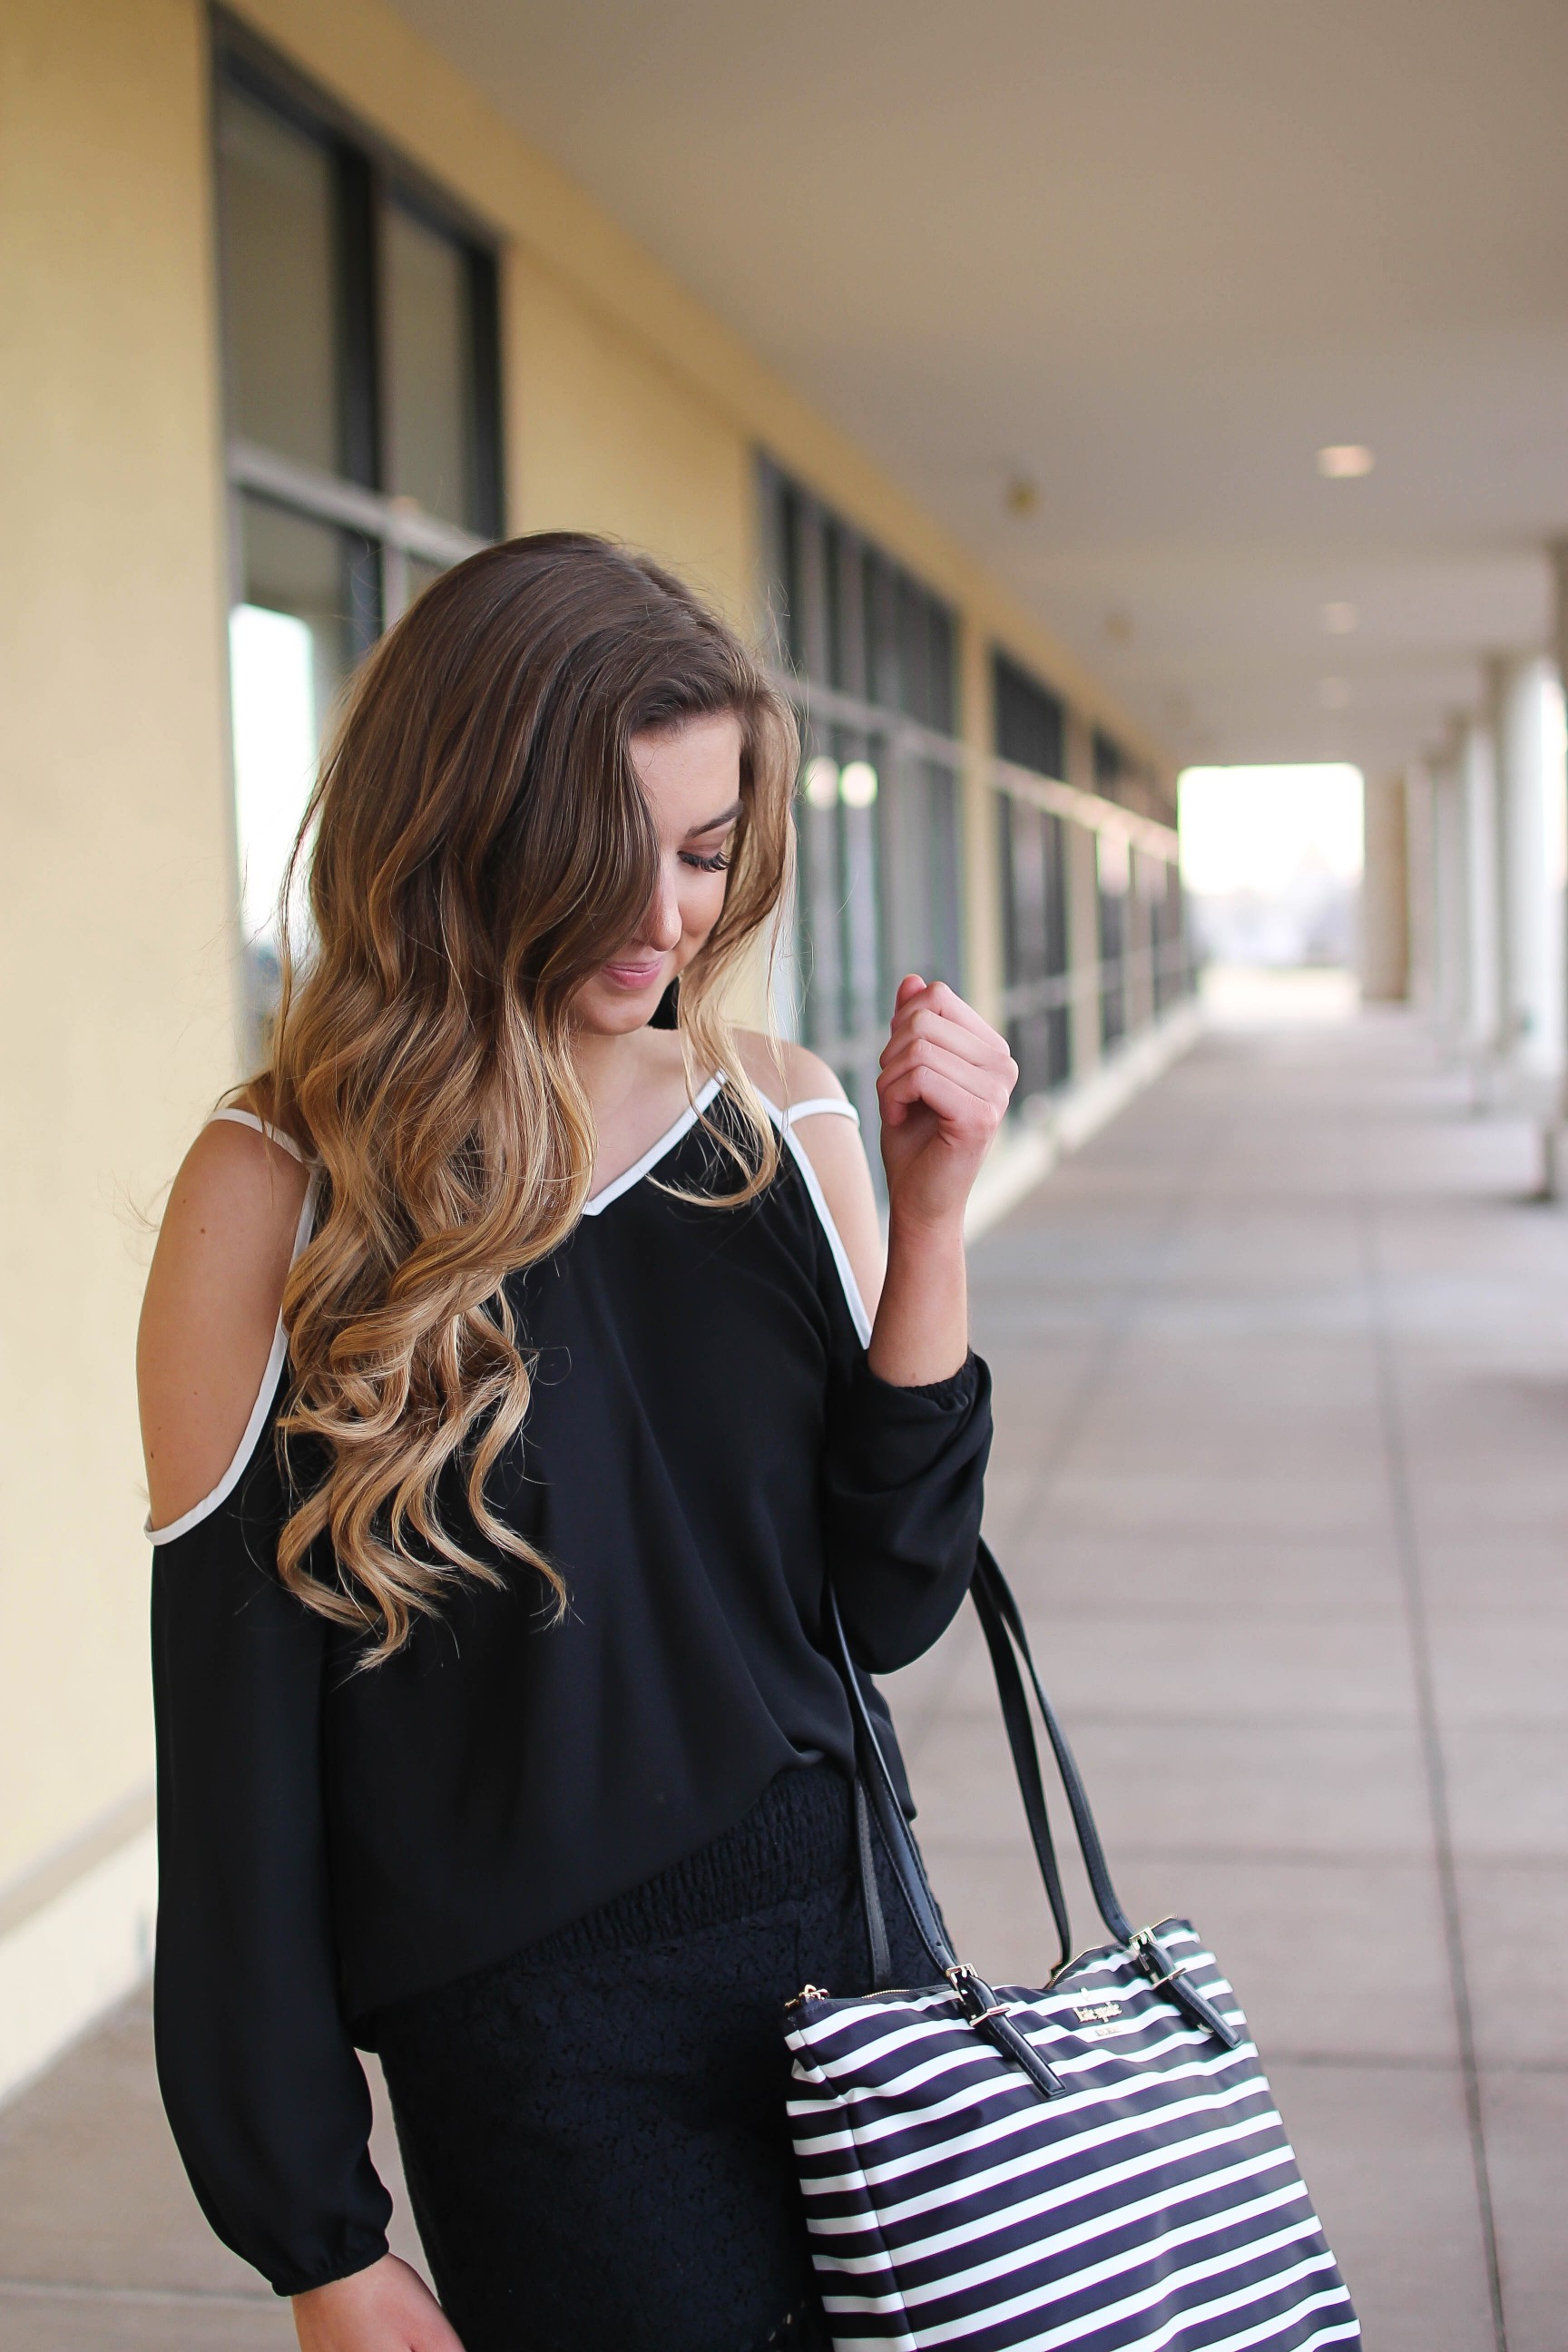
(910, 985)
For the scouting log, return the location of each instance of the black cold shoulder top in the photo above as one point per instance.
(705, 1445)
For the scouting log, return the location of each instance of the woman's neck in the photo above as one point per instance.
(623, 1073)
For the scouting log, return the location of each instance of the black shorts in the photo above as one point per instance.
(594, 2132)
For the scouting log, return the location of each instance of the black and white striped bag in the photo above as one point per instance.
(1098, 2165)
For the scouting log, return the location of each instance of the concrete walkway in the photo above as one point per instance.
(1283, 1477)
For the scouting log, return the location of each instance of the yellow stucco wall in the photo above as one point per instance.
(625, 324)
(630, 409)
(119, 1019)
(601, 436)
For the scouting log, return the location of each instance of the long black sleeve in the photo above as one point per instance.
(265, 2094)
(903, 1485)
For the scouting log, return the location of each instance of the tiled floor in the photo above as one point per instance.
(1282, 1479)
(1281, 1475)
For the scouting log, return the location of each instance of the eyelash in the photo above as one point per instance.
(718, 864)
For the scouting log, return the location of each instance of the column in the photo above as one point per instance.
(1527, 701)
(1083, 908)
(1450, 899)
(1385, 893)
(1480, 1030)
(1421, 886)
(982, 917)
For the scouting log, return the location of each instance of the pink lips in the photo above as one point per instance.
(634, 975)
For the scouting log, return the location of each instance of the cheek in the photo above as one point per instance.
(702, 904)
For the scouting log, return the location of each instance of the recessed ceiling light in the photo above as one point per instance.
(1333, 693)
(1340, 619)
(1346, 461)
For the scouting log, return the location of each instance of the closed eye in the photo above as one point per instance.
(717, 863)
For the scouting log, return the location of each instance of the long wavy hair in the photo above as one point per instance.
(476, 846)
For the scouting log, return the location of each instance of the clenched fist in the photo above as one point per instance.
(946, 1083)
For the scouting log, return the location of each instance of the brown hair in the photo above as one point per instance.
(477, 845)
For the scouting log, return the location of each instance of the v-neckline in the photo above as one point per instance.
(656, 1152)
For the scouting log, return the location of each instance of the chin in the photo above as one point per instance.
(614, 1014)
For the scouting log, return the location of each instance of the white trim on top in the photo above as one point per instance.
(274, 1372)
(273, 1134)
(784, 1120)
(656, 1152)
(833, 1106)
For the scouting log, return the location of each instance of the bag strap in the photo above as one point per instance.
(874, 1777)
(870, 1893)
(994, 1602)
(1025, 1766)
(877, 1800)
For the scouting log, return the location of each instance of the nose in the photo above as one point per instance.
(663, 927)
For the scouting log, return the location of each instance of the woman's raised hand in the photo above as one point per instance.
(386, 2308)
(946, 1083)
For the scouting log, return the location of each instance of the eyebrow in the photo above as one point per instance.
(725, 816)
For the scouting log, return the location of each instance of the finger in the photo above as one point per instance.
(940, 998)
(984, 1049)
(994, 1086)
(901, 1083)
(951, 1103)
(948, 1012)
(908, 988)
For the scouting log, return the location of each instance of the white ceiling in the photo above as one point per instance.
(1149, 255)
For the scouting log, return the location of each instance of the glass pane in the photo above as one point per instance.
(1114, 874)
(429, 381)
(292, 641)
(276, 194)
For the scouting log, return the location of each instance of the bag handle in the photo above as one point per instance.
(874, 1786)
(1003, 1627)
(1003, 1624)
(996, 1607)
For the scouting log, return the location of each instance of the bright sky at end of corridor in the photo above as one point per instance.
(1257, 828)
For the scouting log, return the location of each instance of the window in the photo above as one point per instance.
(1173, 970)
(872, 655)
(1030, 727)
(1113, 868)
(1030, 721)
(1109, 766)
(360, 367)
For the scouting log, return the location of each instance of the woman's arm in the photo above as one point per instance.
(211, 1309)
(264, 2090)
(946, 1077)
(388, 2308)
(909, 1420)
(945, 1082)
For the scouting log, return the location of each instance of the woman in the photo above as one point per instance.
(508, 1402)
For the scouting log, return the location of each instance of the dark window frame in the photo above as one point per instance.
(1029, 733)
(869, 654)
(369, 177)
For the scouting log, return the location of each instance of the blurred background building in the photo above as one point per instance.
(1069, 397)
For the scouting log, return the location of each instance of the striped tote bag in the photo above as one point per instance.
(1096, 2165)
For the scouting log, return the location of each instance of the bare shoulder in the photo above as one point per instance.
(210, 1312)
(791, 1076)
(786, 1072)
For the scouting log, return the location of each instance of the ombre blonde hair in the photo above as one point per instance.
(477, 844)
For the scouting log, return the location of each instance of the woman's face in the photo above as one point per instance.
(690, 777)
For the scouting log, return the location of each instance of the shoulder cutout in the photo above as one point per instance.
(211, 1345)
(820, 1129)
(790, 1077)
